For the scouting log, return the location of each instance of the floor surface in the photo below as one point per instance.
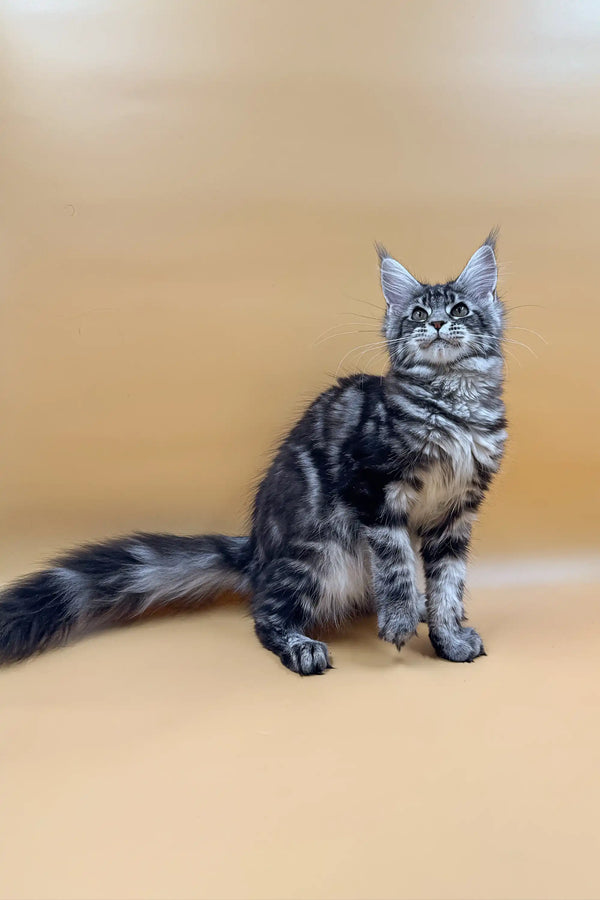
(177, 759)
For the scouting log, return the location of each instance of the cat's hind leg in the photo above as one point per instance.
(284, 593)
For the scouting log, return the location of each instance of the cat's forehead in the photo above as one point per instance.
(438, 294)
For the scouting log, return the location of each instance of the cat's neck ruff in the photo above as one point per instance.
(467, 376)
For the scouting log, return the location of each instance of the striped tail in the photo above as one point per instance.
(111, 582)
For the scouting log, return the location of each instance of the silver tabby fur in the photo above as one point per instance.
(379, 477)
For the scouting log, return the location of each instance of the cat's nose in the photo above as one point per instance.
(437, 325)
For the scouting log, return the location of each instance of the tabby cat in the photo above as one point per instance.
(377, 473)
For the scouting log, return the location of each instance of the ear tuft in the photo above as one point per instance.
(381, 251)
(492, 238)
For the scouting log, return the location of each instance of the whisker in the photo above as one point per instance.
(370, 350)
(329, 337)
(513, 356)
(521, 344)
(370, 361)
(325, 336)
(343, 359)
(366, 302)
(478, 344)
(365, 348)
(525, 306)
(363, 316)
(537, 334)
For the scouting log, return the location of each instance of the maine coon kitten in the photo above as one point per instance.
(376, 472)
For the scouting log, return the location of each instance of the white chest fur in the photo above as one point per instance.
(448, 470)
(443, 487)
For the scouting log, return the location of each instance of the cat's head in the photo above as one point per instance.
(442, 324)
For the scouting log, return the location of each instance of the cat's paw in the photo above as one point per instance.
(307, 657)
(398, 627)
(422, 608)
(460, 644)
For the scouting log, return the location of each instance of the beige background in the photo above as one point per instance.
(190, 196)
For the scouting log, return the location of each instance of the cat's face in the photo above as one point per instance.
(442, 324)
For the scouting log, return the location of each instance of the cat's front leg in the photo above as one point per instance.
(444, 551)
(415, 542)
(397, 598)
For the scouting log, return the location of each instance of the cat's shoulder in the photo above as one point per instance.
(360, 381)
(352, 392)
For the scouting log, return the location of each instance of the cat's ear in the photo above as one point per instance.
(480, 275)
(398, 285)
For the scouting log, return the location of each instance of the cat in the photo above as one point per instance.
(378, 475)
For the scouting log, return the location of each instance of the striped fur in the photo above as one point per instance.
(377, 472)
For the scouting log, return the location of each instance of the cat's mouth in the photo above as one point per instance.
(438, 339)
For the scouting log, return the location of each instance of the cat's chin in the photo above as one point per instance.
(441, 352)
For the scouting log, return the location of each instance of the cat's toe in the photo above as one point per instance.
(307, 657)
(474, 640)
(398, 629)
(457, 644)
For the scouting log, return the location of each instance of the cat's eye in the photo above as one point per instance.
(459, 311)
(419, 314)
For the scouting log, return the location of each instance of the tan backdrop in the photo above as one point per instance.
(191, 191)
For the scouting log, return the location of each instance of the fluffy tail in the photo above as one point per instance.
(102, 584)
